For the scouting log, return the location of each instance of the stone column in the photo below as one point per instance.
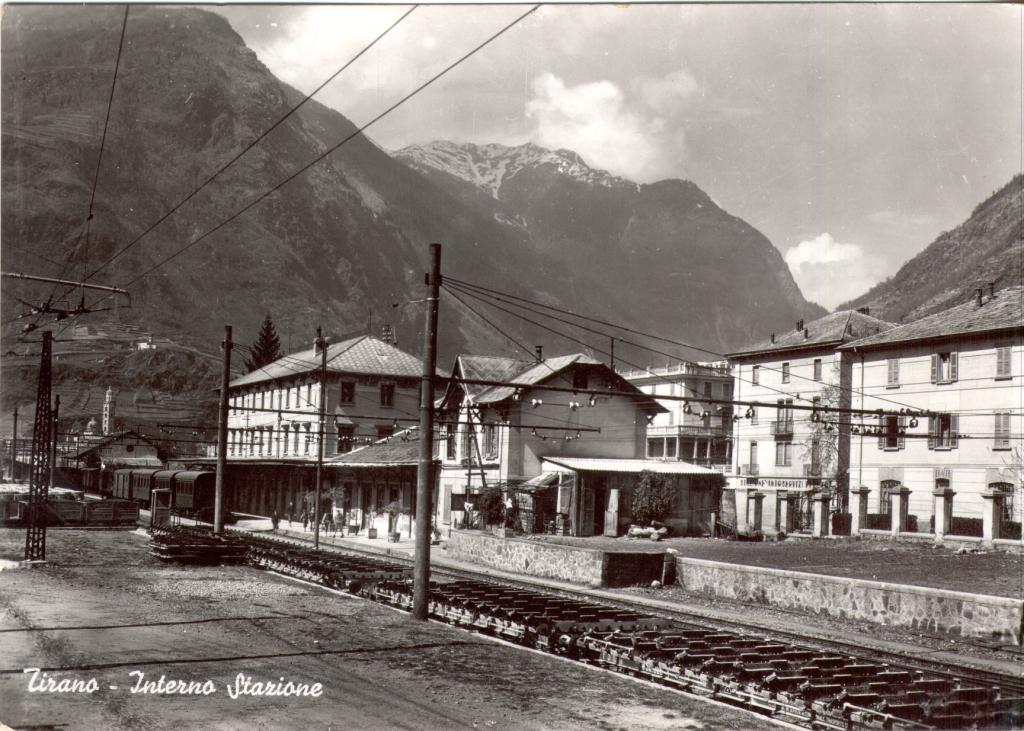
(821, 502)
(755, 523)
(943, 511)
(990, 517)
(900, 506)
(858, 508)
(742, 519)
(782, 511)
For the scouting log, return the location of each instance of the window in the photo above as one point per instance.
(727, 391)
(580, 380)
(785, 372)
(753, 416)
(783, 454)
(708, 390)
(307, 441)
(348, 392)
(671, 447)
(296, 442)
(287, 398)
(263, 399)
(490, 439)
(888, 487)
(944, 367)
(942, 431)
(892, 379)
(346, 439)
(1006, 489)
(449, 441)
(1004, 361)
(892, 429)
(785, 416)
(817, 369)
(309, 394)
(753, 456)
(1002, 431)
(383, 432)
(655, 448)
(387, 394)
(755, 375)
(285, 440)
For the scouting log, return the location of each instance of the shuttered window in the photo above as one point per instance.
(1004, 361)
(1002, 431)
(817, 369)
(893, 378)
(944, 367)
(785, 372)
(755, 375)
(783, 454)
(942, 431)
(891, 432)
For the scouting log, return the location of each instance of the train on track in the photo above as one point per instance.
(191, 491)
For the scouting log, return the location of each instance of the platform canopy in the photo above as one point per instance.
(633, 466)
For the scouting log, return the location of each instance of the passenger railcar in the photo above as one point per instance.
(142, 484)
(193, 491)
(121, 486)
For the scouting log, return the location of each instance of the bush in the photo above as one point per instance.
(491, 506)
(1010, 530)
(653, 498)
(966, 527)
(841, 524)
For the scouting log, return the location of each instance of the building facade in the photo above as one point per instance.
(697, 430)
(372, 391)
(783, 456)
(959, 375)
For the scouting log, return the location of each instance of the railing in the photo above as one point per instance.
(689, 430)
(681, 368)
(782, 428)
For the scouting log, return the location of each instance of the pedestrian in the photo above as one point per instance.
(291, 512)
(327, 524)
(305, 519)
(275, 520)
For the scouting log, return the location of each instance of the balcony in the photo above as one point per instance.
(812, 469)
(690, 430)
(782, 428)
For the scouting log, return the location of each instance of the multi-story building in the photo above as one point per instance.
(781, 455)
(958, 375)
(577, 451)
(698, 429)
(372, 391)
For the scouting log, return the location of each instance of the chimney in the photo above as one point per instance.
(807, 333)
(977, 294)
(799, 325)
(864, 310)
(773, 338)
(991, 290)
(540, 352)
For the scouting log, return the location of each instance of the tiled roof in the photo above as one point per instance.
(363, 354)
(400, 449)
(632, 466)
(535, 373)
(111, 439)
(488, 368)
(1004, 311)
(839, 327)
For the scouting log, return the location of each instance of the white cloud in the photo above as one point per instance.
(831, 272)
(633, 137)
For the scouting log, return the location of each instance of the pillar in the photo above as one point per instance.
(943, 512)
(990, 517)
(742, 519)
(821, 517)
(859, 508)
(900, 508)
(782, 512)
(755, 524)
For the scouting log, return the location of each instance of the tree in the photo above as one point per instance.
(821, 447)
(267, 347)
(652, 498)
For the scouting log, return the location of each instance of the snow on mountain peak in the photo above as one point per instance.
(489, 166)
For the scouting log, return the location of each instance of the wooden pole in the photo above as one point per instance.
(321, 343)
(14, 448)
(222, 436)
(424, 474)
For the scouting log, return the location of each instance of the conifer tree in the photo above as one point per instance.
(267, 347)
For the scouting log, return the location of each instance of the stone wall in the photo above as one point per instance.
(588, 566)
(896, 605)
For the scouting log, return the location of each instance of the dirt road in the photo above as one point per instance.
(104, 610)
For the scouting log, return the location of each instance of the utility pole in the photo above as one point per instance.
(320, 344)
(14, 448)
(222, 436)
(35, 536)
(425, 473)
(53, 442)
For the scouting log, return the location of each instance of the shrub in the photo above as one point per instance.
(491, 506)
(841, 524)
(653, 498)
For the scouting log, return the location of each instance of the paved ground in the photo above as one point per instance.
(989, 572)
(103, 608)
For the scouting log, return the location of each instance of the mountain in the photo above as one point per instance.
(673, 260)
(987, 247)
(345, 243)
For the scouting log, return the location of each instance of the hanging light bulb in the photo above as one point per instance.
(536, 402)
(687, 409)
(517, 395)
(913, 422)
(750, 412)
(815, 416)
(579, 434)
(574, 405)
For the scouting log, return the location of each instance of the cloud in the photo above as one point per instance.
(631, 136)
(830, 272)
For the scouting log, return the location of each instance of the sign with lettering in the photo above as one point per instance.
(779, 483)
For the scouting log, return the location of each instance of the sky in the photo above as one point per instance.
(851, 135)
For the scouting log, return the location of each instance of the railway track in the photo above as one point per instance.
(807, 682)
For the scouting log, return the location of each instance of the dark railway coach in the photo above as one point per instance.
(193, 491)
(142, 484)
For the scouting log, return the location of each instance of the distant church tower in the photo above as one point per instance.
(108, 412)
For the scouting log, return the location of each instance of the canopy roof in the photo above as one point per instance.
(633, 466)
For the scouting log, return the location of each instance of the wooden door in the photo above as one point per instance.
(587, 517)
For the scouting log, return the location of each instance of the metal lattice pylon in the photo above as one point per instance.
(39, 479)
